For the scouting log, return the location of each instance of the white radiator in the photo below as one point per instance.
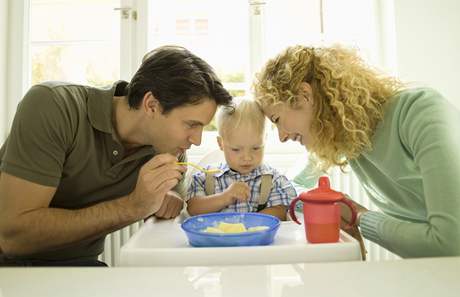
(346, 183)
(114, 241)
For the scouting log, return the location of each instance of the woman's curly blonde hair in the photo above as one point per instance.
(348, 97)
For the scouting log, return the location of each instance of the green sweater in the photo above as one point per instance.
(412, 174)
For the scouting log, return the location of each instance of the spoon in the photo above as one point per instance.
(213, 170)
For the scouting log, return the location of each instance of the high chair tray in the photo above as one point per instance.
(163, 243)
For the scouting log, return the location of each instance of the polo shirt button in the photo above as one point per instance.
(115, 153)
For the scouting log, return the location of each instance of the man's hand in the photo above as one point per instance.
(238, 192)
(171, 206)
(156, 178)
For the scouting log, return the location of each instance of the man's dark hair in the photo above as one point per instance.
(175, 77)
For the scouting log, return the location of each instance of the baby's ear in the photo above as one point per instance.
(219, 142)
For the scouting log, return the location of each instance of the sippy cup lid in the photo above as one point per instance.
(323, 193)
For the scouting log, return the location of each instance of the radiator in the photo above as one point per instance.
(346, 183)
(114, 241)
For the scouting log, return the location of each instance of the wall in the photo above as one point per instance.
(427, 43)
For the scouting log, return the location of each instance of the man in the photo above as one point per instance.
(81, 162)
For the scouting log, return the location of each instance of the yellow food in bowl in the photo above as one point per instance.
(233, 228)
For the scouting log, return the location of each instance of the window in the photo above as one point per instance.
(301, 24)
(318, 23)
(79, 40)
(236, 36)
(216, 31)
(75, 40)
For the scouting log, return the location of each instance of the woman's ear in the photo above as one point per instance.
(305, 91)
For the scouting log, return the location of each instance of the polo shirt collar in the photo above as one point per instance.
(100, 107)
(100, 110)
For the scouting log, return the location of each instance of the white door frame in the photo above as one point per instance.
(18, 63)
(133, 39)
(17, 51)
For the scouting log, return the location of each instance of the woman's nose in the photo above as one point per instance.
(282, 135)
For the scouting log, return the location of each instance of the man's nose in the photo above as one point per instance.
(195, 138)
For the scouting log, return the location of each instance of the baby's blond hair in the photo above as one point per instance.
(246, 114)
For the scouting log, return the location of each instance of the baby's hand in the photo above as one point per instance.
(238, 192)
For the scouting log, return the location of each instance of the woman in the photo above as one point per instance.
(403, 144)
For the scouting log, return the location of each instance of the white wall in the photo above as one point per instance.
(428, 43)
(3, 68)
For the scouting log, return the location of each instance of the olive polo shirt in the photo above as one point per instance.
(62, 136)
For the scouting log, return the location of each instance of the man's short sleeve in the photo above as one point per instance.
(39, 139)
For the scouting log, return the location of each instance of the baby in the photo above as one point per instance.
(244, 183)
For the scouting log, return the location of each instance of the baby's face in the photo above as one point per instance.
(243, 149)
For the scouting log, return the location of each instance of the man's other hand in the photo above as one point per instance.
(171, 206)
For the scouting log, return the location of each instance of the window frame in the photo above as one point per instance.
(133, 46)
(18, 57)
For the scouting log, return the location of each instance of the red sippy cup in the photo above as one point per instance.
(322, 212)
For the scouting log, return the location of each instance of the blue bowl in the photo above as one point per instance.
(195, 225)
